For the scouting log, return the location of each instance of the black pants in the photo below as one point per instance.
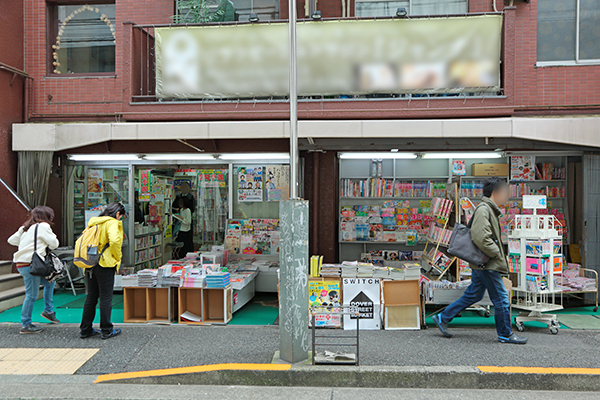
(188, 242)
(99, 285)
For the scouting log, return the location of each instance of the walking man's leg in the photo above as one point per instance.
(472, 295)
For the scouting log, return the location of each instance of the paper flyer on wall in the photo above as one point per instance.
(95, 185)
(522, 168)
(325, 294)
(145, 185)
(250, 184)
(277, 182)
(212, 177)
(363, 293)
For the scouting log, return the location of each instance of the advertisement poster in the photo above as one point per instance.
(212, 178)
(145, 182)
(458, 167)
(250, 184)
(95, 186)
(325, 294)
(522, 168)
(277, 182)
(363, 293)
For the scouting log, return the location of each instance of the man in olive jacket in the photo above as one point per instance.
(486, 235)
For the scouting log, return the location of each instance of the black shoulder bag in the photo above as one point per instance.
(40, 266)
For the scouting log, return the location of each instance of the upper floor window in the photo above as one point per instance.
(568, 31)
(197, 11)
(83, 38)
(388, 8)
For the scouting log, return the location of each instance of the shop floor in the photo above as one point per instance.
(575, 321)
(80, 301)
(70, 315)
(262, 310)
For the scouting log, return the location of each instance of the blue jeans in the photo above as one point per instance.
(32, 288)
(480, 282)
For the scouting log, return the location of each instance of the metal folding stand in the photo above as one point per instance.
(339, 310)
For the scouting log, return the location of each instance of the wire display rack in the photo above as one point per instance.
(345, 339)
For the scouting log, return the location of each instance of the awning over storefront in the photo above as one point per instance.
(574, 131)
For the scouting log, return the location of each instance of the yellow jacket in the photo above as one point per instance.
(111, 233)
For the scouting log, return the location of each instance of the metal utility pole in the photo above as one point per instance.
(293, 256)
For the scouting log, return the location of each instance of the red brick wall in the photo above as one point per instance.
(91, 96)
(94, 98)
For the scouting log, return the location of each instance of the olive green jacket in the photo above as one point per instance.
(486, 234)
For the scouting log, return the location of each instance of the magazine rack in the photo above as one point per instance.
(341, 340)
(441, 224)
(536, 256)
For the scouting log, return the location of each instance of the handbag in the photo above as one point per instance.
(462, 246)
(40, 266)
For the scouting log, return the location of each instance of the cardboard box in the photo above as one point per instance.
(489, 169)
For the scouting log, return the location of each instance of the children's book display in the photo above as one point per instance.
(395, 221)
(381, 187)
(253, 236)
(535, 254)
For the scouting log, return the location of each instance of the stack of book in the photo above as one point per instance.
(381, 272)
(349, 269)
(364, 270)
(129, 281)
(147, 277)
(412, 271)
(331, 270)
(218, 281)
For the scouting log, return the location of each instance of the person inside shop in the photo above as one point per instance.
(486, 235)
(186, 234)
(185, 193)
(100, 279)
(36, 233)
(139, 213)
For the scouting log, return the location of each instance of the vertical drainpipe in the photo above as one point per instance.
(315, 202)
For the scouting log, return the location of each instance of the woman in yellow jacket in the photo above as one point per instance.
(100, 280)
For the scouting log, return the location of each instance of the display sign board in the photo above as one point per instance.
(534, 202)
(444, 55)
(325, 294)
(364, 294)
(277, 182)
(95, 183)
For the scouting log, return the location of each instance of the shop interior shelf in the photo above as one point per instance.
(216, 305)
(134, 299)
(190, 299)
(161, 305)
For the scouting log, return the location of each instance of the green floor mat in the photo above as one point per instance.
(262, 310)
(80, 301)
(577, 321)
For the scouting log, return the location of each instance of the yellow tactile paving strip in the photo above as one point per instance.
(23, 361)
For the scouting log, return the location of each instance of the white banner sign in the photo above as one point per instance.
(365, 294)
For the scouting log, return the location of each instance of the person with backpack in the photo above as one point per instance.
(102, 241)
(486, 235)
(36, 233)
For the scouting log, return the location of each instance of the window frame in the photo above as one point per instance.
(52, 32)
(567, 63)
(410, 5)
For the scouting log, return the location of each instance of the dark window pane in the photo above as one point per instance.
(589, 30)
(85, 42)
(557, 20)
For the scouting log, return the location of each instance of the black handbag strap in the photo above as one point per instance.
(473, 217)
(35, 238)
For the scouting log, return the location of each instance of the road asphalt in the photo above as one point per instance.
(144, 347)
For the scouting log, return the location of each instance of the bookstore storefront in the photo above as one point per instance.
(234, 207)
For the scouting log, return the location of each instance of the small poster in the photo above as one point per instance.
(250, 184)
(212, 178)
(277, 182)
(325, 294)
(95, 186)
(522, 168)
(365, 295)
(458, 167)
(145, 185)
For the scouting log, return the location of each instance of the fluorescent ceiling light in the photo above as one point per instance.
(179, 157)
(255, 156)
(104, 157)
(463, 155)
(370, 156)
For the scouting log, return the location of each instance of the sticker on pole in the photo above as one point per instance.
(534, 202)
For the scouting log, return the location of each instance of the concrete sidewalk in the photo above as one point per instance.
(399, 356)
